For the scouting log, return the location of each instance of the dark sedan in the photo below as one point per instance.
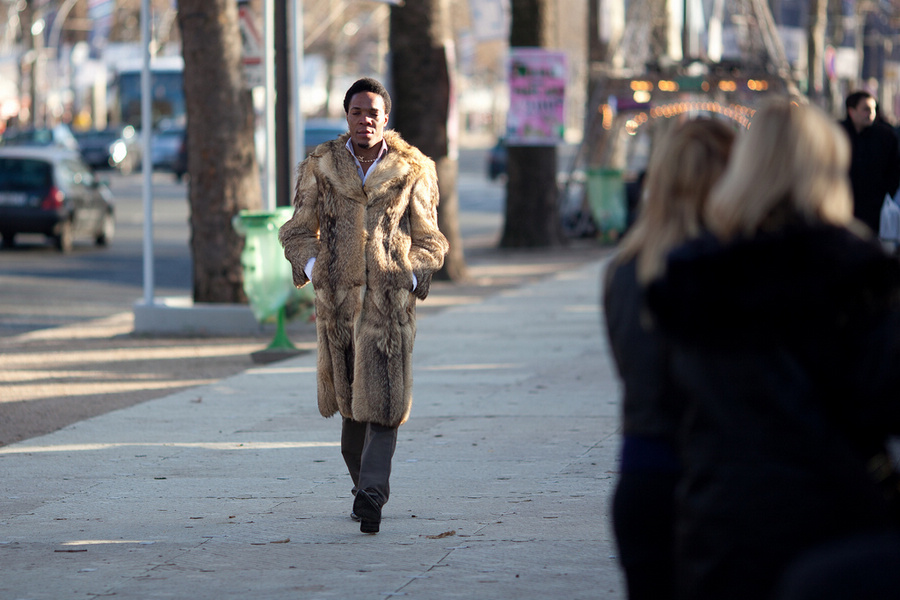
(111, 148)
(52, 192)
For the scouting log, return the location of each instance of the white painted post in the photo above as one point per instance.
(147, 172)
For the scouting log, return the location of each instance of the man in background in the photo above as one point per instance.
(875, 159)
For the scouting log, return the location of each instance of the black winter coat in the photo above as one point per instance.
(787, 347)
(650, 407)
(874, 170)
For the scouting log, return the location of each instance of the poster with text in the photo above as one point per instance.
(537, 87)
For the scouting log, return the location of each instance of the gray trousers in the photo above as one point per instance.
(367, 449)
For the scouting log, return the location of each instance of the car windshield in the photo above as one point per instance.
(96, 136)
(24, 175)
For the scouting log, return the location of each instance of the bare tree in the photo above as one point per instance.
(347, 35)
(818, 22)
(224, 177)
(126, 21)
(422, 84)
(532, 214)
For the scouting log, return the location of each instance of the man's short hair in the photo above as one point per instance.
(367, 84)
(855, 98)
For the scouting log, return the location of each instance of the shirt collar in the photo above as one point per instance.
(381, 152)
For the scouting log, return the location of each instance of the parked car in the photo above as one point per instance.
(496, 160)
(59, 136)
(318, 131)
(53, 192)
(166, 146)
(111, 148)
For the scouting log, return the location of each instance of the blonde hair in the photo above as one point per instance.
(793, 162)
(683, 168)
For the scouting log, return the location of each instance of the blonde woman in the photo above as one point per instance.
(683, 169)
(785, 339)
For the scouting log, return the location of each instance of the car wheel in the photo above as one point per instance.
(63, 239)
(107, 230)
(9, 239)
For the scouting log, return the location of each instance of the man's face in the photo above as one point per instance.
(366, 119)
(863, 115)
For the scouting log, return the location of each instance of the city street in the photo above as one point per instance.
(158, 467)
(41, 288)
(66, 321)
(237, 489)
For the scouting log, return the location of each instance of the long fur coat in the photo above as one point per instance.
(368, 240)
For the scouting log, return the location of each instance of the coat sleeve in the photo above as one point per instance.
(300, 235)
(428, 244)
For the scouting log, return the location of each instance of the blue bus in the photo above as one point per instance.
(167, 91)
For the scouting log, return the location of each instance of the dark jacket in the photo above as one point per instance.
(787, 347)
(649, 406)
(874, 170)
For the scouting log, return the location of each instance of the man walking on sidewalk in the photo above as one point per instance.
(874, 162)
(365, 233)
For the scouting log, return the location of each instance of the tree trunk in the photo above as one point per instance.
(815, 58)
(224, 177)
(421, 51)
(532, 211)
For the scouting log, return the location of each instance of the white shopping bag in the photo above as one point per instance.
(889, 228)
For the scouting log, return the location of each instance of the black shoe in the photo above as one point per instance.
(354, 516)
(369, 512)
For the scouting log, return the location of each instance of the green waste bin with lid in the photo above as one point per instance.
(268, 277)
(606, 197)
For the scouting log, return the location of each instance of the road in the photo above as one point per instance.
(40, 288)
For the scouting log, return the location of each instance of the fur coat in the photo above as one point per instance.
(368, 241)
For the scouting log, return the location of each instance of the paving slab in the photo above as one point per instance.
(500, 489)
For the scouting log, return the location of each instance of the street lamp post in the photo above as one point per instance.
(56, 31)
(37, 73)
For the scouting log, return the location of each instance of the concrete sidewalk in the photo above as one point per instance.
(500, 488)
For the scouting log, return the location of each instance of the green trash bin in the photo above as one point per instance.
(268, 277)
(606, 197)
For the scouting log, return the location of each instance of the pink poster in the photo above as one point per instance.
(537, 88)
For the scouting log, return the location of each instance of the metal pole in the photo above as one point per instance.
(284, 100)
(147, 164)
(714, 32)
(295, 40)
(58, 20)
(269, 61)
(38, 75)
(55, 33)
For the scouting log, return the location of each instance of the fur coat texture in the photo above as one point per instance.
(368, 241)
